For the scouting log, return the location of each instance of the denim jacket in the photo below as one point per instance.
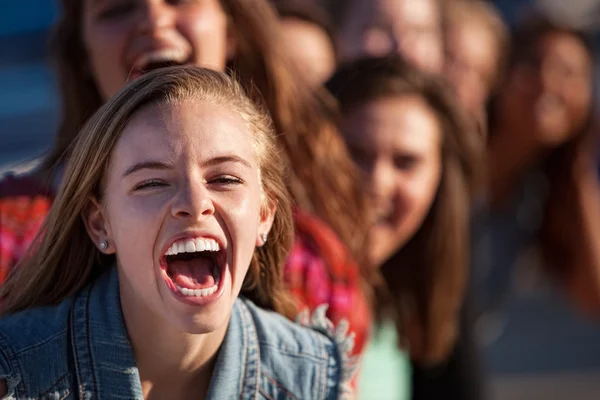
(80, 349)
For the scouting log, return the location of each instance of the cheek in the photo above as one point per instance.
(580, 104)
(135, 225)
(207, 31)
(104, 40)
(104, 47)
(417, 193)
(241, 215)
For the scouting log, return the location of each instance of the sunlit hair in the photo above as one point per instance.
(322, 179)
(425, 279)
(64, 259)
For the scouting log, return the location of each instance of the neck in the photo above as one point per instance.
(510, 155)
(171, 363)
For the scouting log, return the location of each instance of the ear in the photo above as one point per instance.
(96, 224)
(267, 215)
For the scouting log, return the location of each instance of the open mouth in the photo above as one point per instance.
(159, 59)
(195, 266)
(384, 216)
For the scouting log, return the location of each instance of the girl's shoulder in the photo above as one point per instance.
(290, 351)
(42, 324)
(34, 347)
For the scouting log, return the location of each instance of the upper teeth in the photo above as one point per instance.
(192, 246)
(176, 55)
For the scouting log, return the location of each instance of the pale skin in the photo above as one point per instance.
(194, 171)
(118, 34)
(310, 49)
(397, 143)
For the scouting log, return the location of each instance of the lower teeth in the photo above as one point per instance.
(202, 292)
(197, 292)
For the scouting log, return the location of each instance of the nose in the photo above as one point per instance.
(154, 17)
(382, 181)
(193, 201)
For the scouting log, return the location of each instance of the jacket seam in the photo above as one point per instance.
(279, 385)
(261, 391)
(245, 355)
(89, 343)
(10, 355)
(248, 321)
(39, 344)
(324, 380)
(54, 384)
(315, 357)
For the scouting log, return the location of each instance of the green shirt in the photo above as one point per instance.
(385, 372)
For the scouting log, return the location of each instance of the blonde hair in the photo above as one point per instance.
(64, 259)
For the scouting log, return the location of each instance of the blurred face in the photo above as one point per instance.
(550, 95)
(397, 143)
(379, 27)
(125, 38)
(471, 63)
(310, 49)
(182, 212)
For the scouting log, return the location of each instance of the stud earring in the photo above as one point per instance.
(264, 237)
(103, 245)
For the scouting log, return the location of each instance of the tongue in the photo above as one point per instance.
(193, 274)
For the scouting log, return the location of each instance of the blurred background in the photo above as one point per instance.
(28, 101)
(527, 359)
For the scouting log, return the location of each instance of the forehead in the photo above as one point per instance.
(473, 40)
(398, 122)
(401, 11)
(564, 47)
(189, 129)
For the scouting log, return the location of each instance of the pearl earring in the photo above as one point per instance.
(103, 245)
(264, 237)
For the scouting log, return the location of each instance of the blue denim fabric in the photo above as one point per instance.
(80, 349)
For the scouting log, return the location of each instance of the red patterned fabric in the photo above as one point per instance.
(23, 207)
(321, 271)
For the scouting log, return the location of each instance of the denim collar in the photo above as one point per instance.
(104, 360)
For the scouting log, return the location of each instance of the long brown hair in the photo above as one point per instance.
(559, 164)
(425, 279)
(63, 258)
(322, 179)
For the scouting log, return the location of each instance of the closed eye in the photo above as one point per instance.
(226, 180)
(150, 183)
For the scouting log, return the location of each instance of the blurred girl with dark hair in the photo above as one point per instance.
(420, 161)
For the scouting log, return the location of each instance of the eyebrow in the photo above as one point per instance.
(160, 165)
(227, 159)
(147, 165)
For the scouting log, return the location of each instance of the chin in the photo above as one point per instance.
(204, 323)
